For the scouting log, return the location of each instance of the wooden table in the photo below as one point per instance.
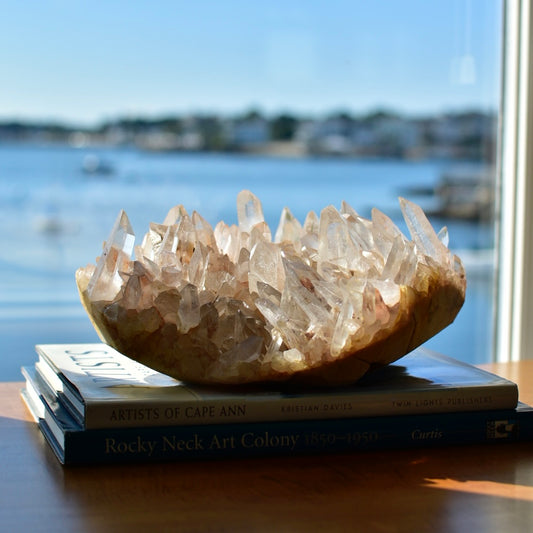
(467, 488)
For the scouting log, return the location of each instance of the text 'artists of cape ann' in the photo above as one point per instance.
(169, 414)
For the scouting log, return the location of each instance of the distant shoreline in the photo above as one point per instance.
(384, 134)
(280, 149)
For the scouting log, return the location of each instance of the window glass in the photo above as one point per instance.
(111, 105)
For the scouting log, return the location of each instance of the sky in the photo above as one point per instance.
(89, 61)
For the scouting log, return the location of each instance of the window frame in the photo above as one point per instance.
(514, 314)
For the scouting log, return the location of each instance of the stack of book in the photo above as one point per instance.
(94, 405)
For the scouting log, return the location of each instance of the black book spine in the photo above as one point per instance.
(260, 439)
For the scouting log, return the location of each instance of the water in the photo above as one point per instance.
(54, 218)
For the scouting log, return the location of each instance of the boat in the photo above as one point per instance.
(94, 165)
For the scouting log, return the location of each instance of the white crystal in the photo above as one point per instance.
(106, 282)
(422, 232)
(266, 266)
(289, 229)
(335, 245)
(249, 211)
(189, 308)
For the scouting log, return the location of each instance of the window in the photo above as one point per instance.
(515, 287)
(179, 102)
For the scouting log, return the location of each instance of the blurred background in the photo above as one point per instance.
(142, 106)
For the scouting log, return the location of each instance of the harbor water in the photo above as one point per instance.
(58, 204)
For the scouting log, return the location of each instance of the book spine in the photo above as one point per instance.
(125, 411)
(261, 439)
(111, 414)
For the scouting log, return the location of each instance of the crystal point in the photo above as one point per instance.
(105, 282)
(289, 229)
(422, 232)
(249, 211)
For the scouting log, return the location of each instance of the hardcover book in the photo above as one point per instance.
(73, 444)
(101, 388)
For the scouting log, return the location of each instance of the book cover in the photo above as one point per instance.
(73, 444)
(104, 389)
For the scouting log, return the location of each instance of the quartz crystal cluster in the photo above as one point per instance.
(322, 302)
